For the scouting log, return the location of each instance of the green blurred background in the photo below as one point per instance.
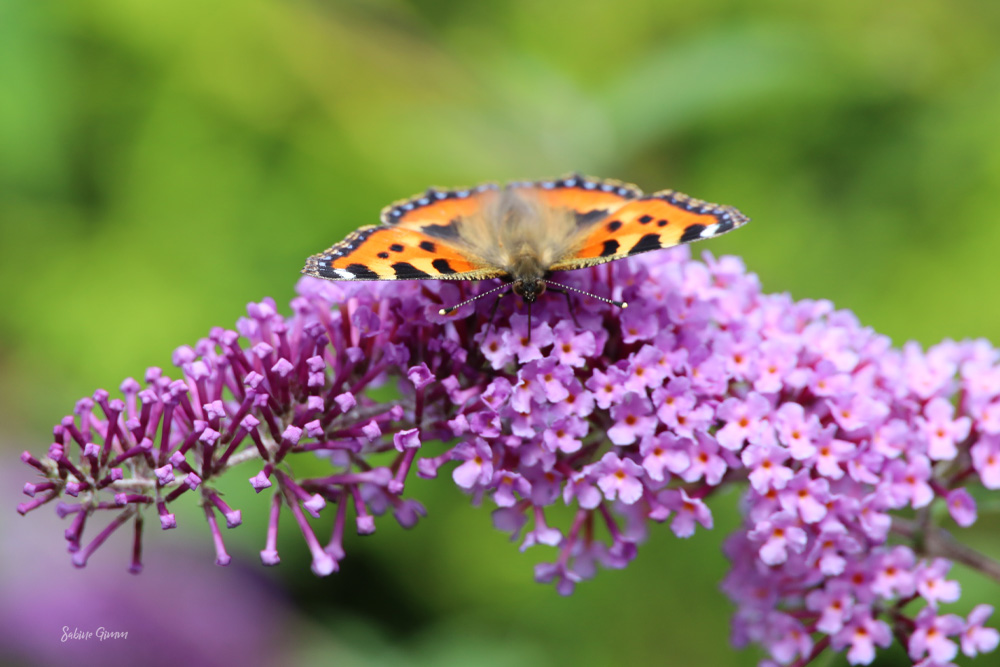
(162, 164)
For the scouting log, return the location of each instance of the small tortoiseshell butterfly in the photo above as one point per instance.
(520, 233)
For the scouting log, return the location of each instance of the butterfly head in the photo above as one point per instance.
(529, 289)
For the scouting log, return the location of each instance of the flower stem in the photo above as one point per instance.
(937, 542)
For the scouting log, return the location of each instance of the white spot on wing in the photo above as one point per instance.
(344, 274)
(710, 231)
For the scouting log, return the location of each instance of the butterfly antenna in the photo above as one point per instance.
(620, 304)
(450, 309)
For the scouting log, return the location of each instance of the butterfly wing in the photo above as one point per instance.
(660, 220)
(591, 199)
(419, 238)
(429, 236)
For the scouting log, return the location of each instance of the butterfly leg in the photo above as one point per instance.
(569, 304)
(493, 312)
(529, 322)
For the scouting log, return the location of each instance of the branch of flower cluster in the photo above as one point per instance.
(936, 542)
(632, 417)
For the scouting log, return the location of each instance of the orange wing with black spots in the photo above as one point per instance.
(419, 239)
(486, 232)
(380, 252)
(588, 197)
(439, 206)
(660, 220)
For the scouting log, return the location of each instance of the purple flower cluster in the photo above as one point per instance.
(628, 416)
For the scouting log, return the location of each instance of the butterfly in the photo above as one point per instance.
(521, 233)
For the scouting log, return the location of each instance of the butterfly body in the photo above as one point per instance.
(520, 233)
(517, 233)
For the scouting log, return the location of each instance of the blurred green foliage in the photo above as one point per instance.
(161, 164)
